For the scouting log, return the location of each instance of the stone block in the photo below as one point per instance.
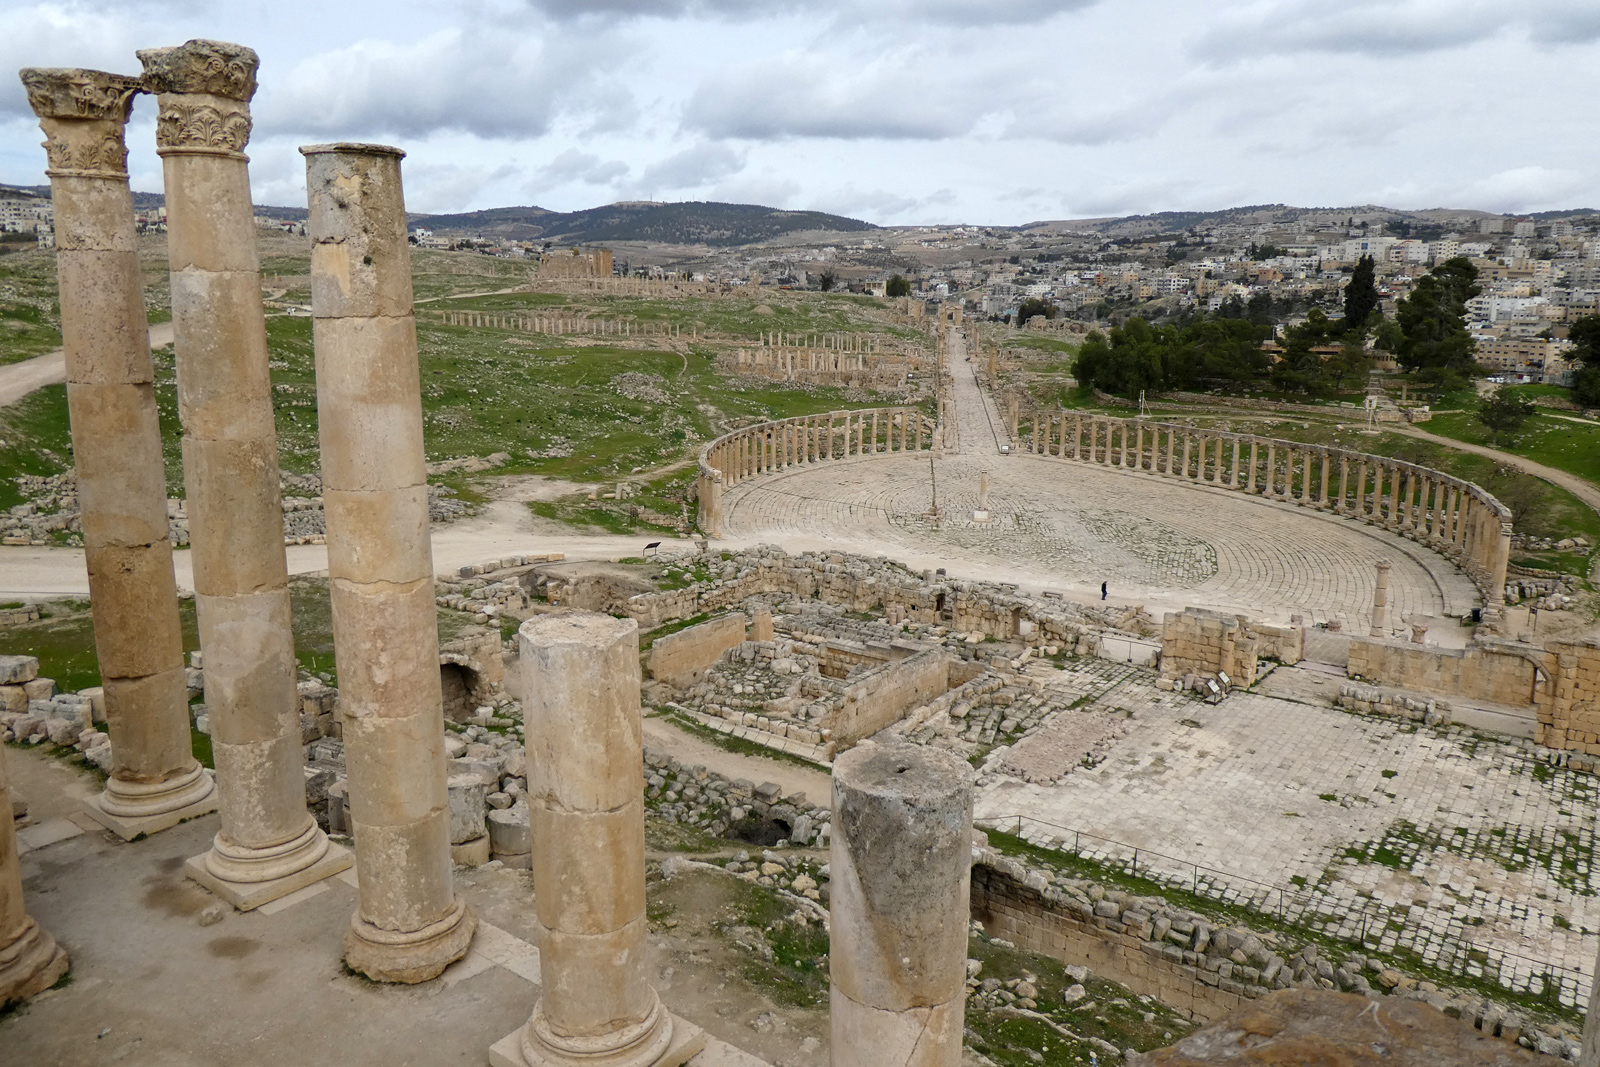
(17, 670)
(39, 688)
(13, 700)
(467, 793)
(510, 831)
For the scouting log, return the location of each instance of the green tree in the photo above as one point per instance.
(1585, 335)
(897, 286)
(1361, 295)
(1035, 306)
(1432, 321)
(1504, 412)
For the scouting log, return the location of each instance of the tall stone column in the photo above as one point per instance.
(268, 844)
(409, 924)
(586, 788)
(1380, 601)
(901, 886)
(155, 780)
(30, 959)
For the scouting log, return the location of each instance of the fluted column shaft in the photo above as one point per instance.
(409, 924)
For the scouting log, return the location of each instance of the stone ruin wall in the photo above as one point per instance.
(1199, 643)
(576, 263)
(681, 659)
(1560, 681)
(1198, 967)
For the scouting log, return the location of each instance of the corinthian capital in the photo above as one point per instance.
(203, 89)
(216, 68)
(83, 114)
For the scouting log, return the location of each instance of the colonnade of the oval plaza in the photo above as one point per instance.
(788, 444)
(1448, 514)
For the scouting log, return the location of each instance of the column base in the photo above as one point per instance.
(687, 1041)
(250, 895)
(413, 956)
(30, 964)
(129, 827)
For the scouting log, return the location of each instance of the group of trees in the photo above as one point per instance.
(1428, 334)
(1318, 356)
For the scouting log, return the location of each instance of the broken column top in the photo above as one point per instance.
(217, 68)
(357, 147)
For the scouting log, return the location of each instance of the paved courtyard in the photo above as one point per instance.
(1061, 524)
(1434, 840)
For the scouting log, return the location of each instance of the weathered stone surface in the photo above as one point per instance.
(17, 670)
(1295, 1027)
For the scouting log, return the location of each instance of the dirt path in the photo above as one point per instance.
(17, 380)
(665, 736)
(1581, 488)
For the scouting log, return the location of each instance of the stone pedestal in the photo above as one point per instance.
(586, 788)
(409, 924)
(30, 959)
(901, 857)
(155, 780)
(268, 844)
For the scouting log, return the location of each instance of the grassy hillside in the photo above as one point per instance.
(582, 408)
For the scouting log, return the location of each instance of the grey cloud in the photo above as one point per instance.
(898, 98)
(1366, 27)
(575, 166)
(846, 12)
(689, 169)
(1391, 29)
(477, 81)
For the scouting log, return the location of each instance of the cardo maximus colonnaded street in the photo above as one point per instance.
(548, 654)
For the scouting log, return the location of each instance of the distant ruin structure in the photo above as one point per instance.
(566, 264)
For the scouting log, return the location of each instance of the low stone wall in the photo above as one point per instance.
(1560, 681)
(681, 659)
(883, 696)
(1194, 966)
(1502, 672)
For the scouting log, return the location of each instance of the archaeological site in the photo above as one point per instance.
(817, 686)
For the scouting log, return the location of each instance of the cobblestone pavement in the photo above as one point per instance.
(1066, 524)
(1433, 840)
(976, 429)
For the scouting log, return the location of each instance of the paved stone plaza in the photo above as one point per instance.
(1065, 524)
(1461, 849)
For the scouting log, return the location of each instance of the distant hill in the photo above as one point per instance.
(1283, 215)
(696, 222)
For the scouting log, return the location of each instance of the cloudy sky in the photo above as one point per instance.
(895, 111)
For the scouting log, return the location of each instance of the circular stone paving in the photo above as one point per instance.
(1058, 523)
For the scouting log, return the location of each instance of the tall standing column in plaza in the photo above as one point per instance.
(268, 844)
(901, 885)
(30, 959)
(586, 788)
(155, 780)
(1380, 600)
(409, 924)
